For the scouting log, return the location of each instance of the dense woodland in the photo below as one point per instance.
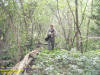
(23, 28)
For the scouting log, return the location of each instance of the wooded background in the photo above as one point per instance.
(24, 24)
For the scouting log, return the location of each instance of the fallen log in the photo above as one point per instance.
(19, 68)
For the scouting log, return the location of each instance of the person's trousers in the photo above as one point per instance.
(51, 43)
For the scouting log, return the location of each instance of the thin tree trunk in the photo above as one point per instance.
(72, 14)
(59, 20)
(77, 24)
(87, 34)
(26, 24)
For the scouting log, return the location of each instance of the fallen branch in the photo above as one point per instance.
(19, 68)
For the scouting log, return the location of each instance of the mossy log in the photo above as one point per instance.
(19, 68)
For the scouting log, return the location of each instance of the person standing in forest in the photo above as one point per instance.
(51, 37)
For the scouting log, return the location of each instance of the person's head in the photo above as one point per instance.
(51, 26)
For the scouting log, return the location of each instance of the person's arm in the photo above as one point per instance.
(55, 32)
(49, 33)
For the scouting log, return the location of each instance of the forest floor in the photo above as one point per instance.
(59, 62)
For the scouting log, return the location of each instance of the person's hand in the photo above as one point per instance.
(50, 33)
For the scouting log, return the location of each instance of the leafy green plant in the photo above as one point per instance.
(69, 62)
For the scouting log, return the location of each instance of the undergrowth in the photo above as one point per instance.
(63, 62)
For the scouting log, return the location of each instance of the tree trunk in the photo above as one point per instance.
(77, 25)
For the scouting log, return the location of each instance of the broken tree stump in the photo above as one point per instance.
(19, 68)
